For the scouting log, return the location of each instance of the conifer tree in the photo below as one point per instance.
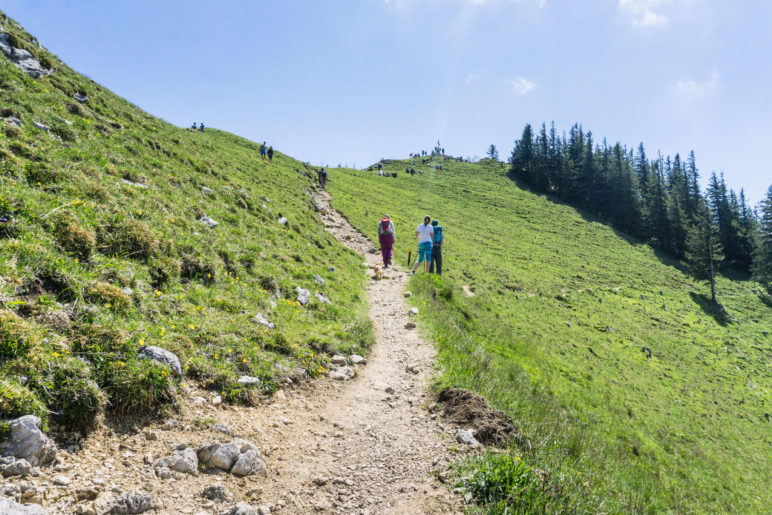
(703, 249)
(493, 152)
(762, 262)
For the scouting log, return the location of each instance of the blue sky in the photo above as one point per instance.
(351, 81)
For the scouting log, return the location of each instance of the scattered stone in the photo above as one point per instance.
(19, 467)
(243, 508)
(338, 360)
(163, 472)
(331, 269)
(283, 221)
(80, 97)
(129, 504)
(568, 324)
(321, 297)
(217, 400)
(260, 319)
(465, 436)
(320, 480)
(225, 456)
(410, 325)
(318, 279)
(13, 121)
(250, 462)
(412, 312)
(151, 435)
(389, 390)
(265, 199)
(169, 425)
(62, 480)
(407, 294)
(216, 493)
(11, 507)
(413, 368)
(28, 442)
(248, 380)
(208, 221)
(162, 355)
(263, 510)
(206, 191)
(185, 461)
(303, 295)
(88, 493)
(40, 126)
(132, 183)
(319, 208)
(343, 374)
(356, 359)
(223, 428)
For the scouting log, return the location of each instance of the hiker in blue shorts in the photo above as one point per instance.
(262, 150)
(425, 236)
(437, 240)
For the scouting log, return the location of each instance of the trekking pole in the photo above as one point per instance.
(409, 254)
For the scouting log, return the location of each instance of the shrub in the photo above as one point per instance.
(42, 173)
(72, 395)
(16, 337)
(73, 238)
(76, 109)
(53, 281)
(16, 400)
(163, 271)
(108, 296)
(64, 132)
(127, 237)
(193, 268)
(12, 131)
(101, 345)
(139, 385)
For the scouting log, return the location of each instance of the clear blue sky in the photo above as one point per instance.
(351, 81)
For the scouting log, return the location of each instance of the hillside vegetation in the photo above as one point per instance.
(556, 334)
(104, 249)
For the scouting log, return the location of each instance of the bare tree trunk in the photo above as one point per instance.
(712, 278)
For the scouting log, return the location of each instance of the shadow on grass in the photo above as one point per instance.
(717, 312)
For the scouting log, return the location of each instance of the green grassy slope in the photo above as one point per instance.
(554, 334)
(93, 267)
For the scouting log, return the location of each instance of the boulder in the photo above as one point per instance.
(14, 467)
(248, 463)
(283, 221)
(161, 355)
(22, 58)
(260, 319)
(303, 295)
(465, 436)
(185, 461)
(5, 46)
(134, 184)
(318, 279)
(338, 360)
(206, 451)
(40, 126)
(331, 269)
(13, 121)
(321, 297)
(243, 508)
(225, 456)
(11, 507)
(412, 312)
(216, 493)
(407, 294)
(343, 374)
(80, 97)
(206, 191)
(28, 442)
(208, 221)
(356, 359)
(248, 380)
(126, 504)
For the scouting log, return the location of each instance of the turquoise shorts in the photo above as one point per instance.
(425, 251)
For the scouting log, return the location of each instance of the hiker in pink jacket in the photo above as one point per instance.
(386, 237)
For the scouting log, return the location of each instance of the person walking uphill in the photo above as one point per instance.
(437, 241)
(425, 235)
(270, 154)
(262, 151)
(386, 237)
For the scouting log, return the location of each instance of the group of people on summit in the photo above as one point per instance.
(430, 240)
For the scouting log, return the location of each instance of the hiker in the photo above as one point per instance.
(425, 235)
(270, 154)
(262, 151)
(194, 126)
(437, 240)
(201, 128)
(322, 177)
(386, 237)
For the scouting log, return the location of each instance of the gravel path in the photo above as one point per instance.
(366, 445)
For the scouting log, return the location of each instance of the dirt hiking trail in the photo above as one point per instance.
(366, 445)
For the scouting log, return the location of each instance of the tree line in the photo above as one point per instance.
(658, 200)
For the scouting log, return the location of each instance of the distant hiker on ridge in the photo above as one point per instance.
(262, 151)
(437, 240)
(386, 237)
(425, 235)
(201, 128)
(270, 154)
(322, 177)
(194, 126)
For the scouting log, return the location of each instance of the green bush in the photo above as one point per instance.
(73, 238)
(108, 296)
(40, 173)
(163, 271)
(127, 237)
(139, 385)
(72, 395)
(17, 400)
(16, 338)
(12, 131)
(193, 268)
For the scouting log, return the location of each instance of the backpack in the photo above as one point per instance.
(385, 226)
(438, 235)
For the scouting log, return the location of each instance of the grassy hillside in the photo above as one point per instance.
(563, 306)
(103, 250)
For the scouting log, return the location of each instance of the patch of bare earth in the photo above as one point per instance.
(365, 445)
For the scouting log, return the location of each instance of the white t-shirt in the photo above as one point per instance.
(425, 233)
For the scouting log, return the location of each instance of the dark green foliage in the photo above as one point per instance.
(16, 338)
(73, 238)
(193, 268)
(17, 400)
(127, 238)
(72, 396)
(762, 269)
(703, 249)
(163, 271)
(136, 385)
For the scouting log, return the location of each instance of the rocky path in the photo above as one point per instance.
(366, 445)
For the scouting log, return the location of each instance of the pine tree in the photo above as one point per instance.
(703, 249)
(762, 259)
(521, 161)
(492, 152)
